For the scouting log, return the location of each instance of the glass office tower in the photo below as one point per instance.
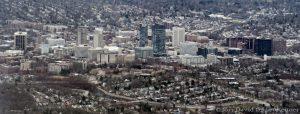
(159, 40)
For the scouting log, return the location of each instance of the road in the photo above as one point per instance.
(129, 100)
(115, 96)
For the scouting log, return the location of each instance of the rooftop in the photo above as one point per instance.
(20, 33)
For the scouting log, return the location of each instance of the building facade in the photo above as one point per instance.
(143, 52)
(81, 51)
(56, 42)
(263, 47)
(98, 38)
(82, 33)
(143, 35)
(245, 43)
(159, 40)
(235, 51)
(107, 57)
(57, 67)
(20, 39)
(204, 51)
(279, 46)
(190, 48)
(178, 36)
(191, 60)
(93, 53)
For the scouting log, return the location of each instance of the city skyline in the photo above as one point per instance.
(149, 56)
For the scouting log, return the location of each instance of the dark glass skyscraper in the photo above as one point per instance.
(263, 47)
(143, 34)
(159, 40)
(202, 51)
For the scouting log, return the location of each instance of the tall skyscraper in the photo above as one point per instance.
(143, 35)
(98, 38)
(178, 36)
(20, 39)
(263, 47)
(159, 40)
(82, 33)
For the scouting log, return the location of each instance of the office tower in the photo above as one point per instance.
(98, 38)
(20, 39)
(279, 45)
(178, 36)
(246, 43)
(205, 51)
(159, 40)
(143, 35)
(82, 34)
(202, 51)
(263, 47)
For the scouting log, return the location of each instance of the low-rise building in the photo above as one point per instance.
(26, 65)
(125, 58)
(107, 57)
(44, 48)
(196, 38)
(226, 60)
(122, 39)
(81, 51)
(80, 66)
(57, 67)
(56, 41)
(54, 28)
(279, 46)
(191, 60)
(190, 48)
(211, 59)
(246, 61)
(235, 51)
(143, 52)
(93, 53)
(12, 53)
(8, 69)
(128, 33)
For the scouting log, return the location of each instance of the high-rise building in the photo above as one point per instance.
(178, 36)
(246, 43)
(20, 39)
(143, 35)
(159, 40)
(82, 33)
(263, 47)
(98, 38)
(279, 45)
(204, 51)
